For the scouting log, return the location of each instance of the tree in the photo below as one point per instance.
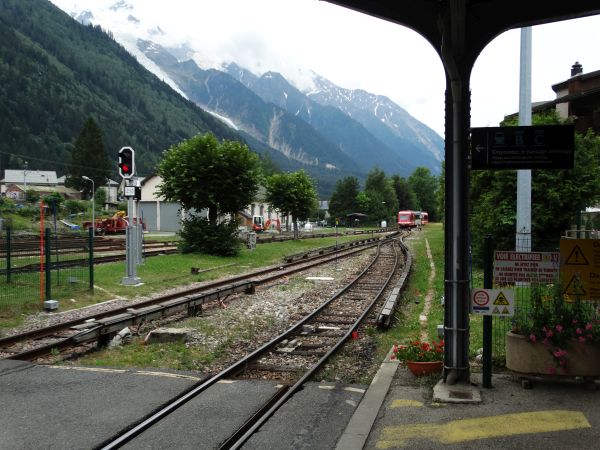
(407, 200)
(382, 201)
(293, 194)
(88, 158)
(344, 198)
(425, 187)
(556, 196)
(202, 173)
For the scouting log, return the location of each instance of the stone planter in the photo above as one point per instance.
(425, 368)
(525, 357)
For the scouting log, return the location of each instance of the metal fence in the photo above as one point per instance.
(36, 268)
(523, 297)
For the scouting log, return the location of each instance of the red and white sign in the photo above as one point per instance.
(493, 302)
(526, 267)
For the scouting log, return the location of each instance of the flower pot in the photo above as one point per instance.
(535, 358)
(419, 368)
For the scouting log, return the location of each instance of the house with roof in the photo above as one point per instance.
(577, 97)
(16, 183)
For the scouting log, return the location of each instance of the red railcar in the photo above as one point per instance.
(407, 219)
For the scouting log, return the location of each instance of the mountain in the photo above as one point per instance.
(367, 129)
(55, 73)
(389, 122)
(352, 137)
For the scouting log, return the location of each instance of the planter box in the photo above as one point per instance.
(525, 357)
(425, 368)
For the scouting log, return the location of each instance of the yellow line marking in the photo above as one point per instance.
(167, 375)
(403, 403)
(463, 430)
(88, 369)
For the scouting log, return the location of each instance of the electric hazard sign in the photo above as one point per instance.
(580, 268)
(493, 302)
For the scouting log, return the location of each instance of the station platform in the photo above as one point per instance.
(58, 407)
(400, 411)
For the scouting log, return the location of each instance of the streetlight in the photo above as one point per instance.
(93, 206)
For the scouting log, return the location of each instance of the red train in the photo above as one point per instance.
(411, 219)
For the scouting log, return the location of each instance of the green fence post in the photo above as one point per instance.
(8, 253)
(48, 262)
(91, 256)
(488, 278)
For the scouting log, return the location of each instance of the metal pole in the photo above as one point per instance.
(8, 253)
(93, 205)
(130, 242)
(91, 257)
(488, 275)
(523, 231)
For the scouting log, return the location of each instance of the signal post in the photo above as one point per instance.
(126, 170)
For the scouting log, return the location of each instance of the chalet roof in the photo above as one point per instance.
(43, 177)
(37, 188)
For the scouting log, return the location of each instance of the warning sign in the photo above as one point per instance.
(580, 268)
(526, 267)
(493, 302)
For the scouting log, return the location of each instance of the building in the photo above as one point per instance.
(577, 97)
(17, 182)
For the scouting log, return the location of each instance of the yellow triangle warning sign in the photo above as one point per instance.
(501, 299)
(496, 310)
(574, 287)
(576, 258)
(505, 310)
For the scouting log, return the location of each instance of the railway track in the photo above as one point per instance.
(101, 327)
(293, 357)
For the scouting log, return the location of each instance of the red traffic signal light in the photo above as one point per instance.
(126, 162)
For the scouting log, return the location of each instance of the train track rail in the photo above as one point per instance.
(101, 327)
(294, 356)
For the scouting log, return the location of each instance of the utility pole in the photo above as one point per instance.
(523, 231)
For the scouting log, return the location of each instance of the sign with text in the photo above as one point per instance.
(526, 267)
(580, 268)
(523, 147)
(493, 302)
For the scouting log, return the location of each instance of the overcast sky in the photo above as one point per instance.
(357, 51)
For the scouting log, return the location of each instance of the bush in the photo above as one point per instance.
(74, 207)
(200, 236)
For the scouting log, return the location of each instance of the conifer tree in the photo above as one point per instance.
(88, 158)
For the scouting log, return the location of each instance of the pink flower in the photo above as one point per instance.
(549, 334)
(574, 321)
(579, 331)
(581, 339)
(588, 326)
(532, 337)
(559, 328)
(559, 353)
(552, 370)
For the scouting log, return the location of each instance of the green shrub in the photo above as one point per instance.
(200, 236)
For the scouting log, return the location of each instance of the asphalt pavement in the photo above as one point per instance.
(52, 407)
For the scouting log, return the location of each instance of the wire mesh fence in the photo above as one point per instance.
(35, 268)
(550, 287)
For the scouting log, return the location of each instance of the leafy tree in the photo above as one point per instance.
(344, 198)
(556, 196)
(31, 196)
(54, 200)
(202, 173)
(382, 200)
(100, 198)
(407, 200)
(88, 158)
(293, 194)
(425, 186)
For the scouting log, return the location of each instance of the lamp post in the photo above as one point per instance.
(93, 206)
